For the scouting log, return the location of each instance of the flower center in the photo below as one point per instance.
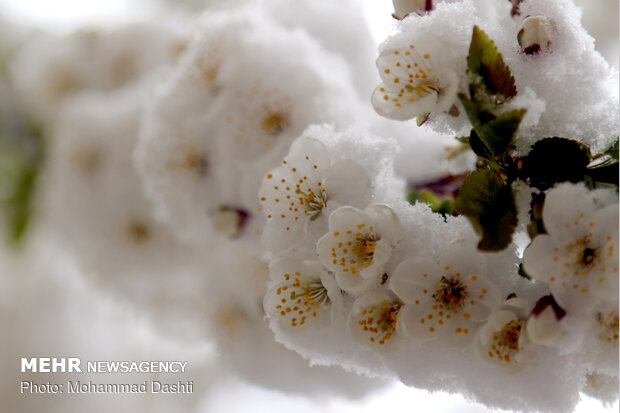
(190, 159)
(313, 202)
(422, 88)
(364, 247)
(388, 317)
(274, 123)
(197, 163)
(509, 335)
(451, 293)
(138, 231)
(586, 256)
(381, 324)
(313, 293)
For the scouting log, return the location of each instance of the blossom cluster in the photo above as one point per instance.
(251, 181)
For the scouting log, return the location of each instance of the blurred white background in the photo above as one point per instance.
(65, 16)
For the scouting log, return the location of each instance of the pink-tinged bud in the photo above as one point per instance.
(402, 8)
(534, 35)
(543, 326)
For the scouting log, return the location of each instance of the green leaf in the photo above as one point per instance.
(479, 147)
(607, 174)
(554, 160)
(485, 62)
(499, 133)
(438, 205)
(21, 155)
(477, 116)
(490, 206)
(421, 120)
(495, 133)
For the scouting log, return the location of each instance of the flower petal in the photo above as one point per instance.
(412, 277)
(354, 284)
(463, 258)
(564, 211)
(386, 223)
(421, 323)
(390, 105)
(447, 90)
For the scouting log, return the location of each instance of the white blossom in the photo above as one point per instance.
(358, 245)
(445, 300)
(373, 321)
(578, 256)
(302, 295)
(502, 340)
(298, 196)
(412, 85)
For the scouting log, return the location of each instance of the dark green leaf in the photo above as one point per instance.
(477, 116)
(495, 133)
(489, 204)
(607, 174)
(554, 160)
(500, 132)
(478, 146)
(485, 62)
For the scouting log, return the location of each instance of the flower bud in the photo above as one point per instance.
(402, 8)
(228, 221)
(534, 35)
(544, 328)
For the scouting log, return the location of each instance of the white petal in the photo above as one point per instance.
(275, 238)
(354, 284)
(412, 277)
(421, 324)
(317, 227)
(289, 265)
(538, 259)
(461, 332)
(388, 104)
(347, 218)
(308, 152)
(385, 220)
(482, 297)
(463, 258)
(543, 328)
(284, 208)
(335, 296)
(564, 211)
(448, 87)
(381, 255)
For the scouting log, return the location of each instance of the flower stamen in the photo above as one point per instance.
(364, 248)
(274, 123)
(313, 202)
(451, 293)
